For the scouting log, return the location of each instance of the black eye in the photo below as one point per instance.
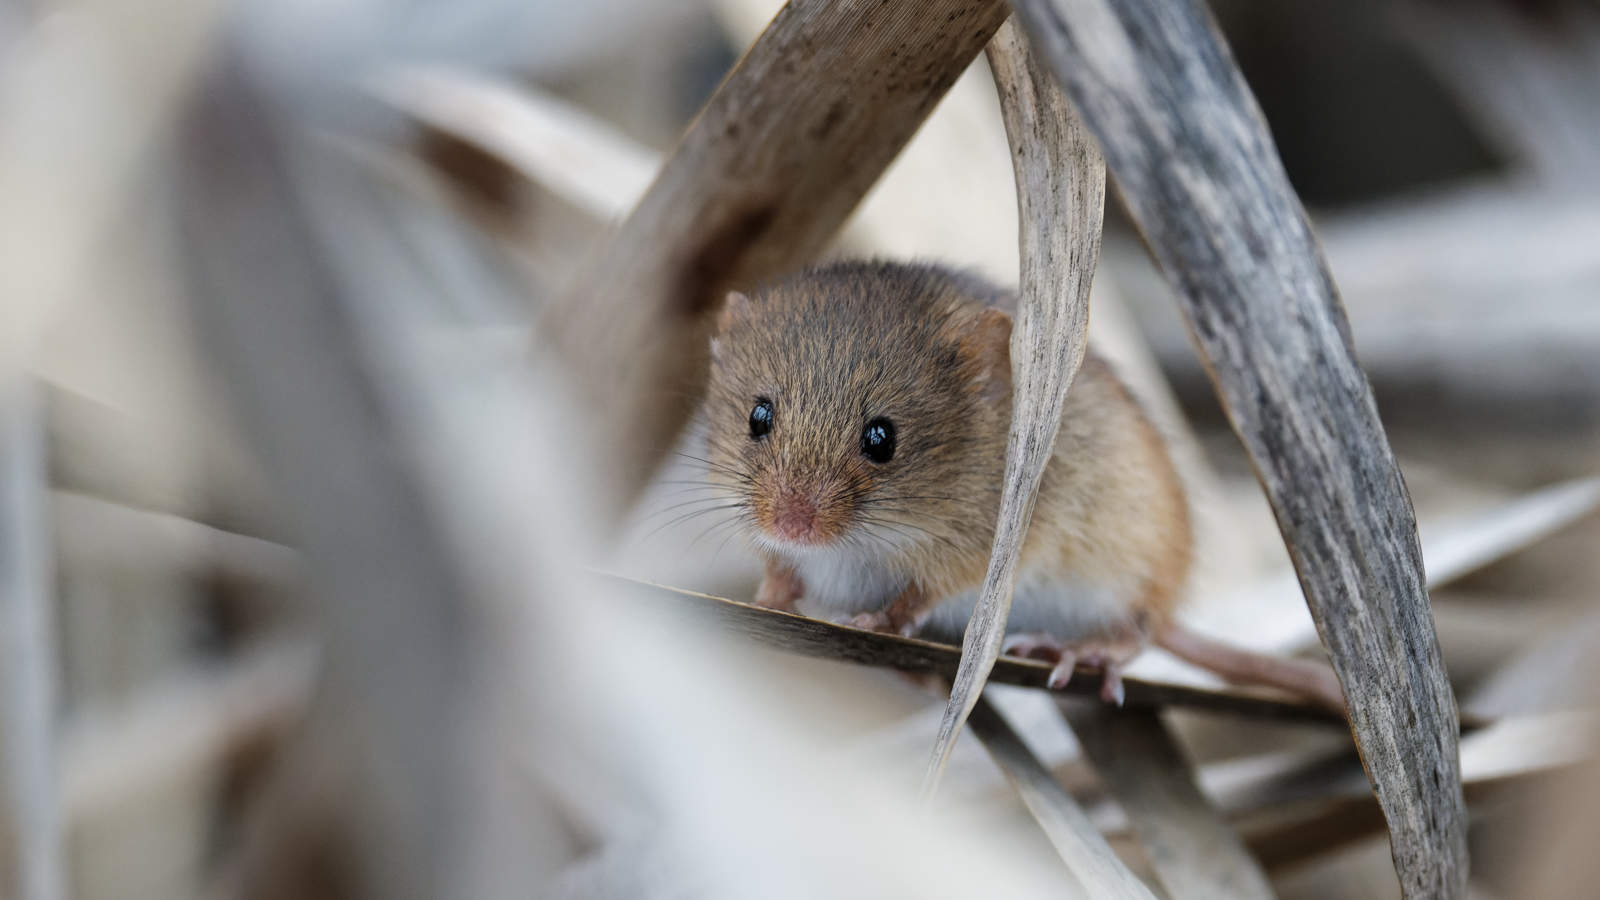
(877, 440)
(760, 419)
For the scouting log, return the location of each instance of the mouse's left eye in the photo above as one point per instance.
(760, 419)
(877, 440)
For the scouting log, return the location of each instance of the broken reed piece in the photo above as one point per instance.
(1195, 852)
(1061, 184)
(1077, 840)
(1197, 168)
(763, 178)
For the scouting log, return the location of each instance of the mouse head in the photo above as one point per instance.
(859, 406)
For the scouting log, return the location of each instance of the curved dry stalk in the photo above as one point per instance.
(1195, 162)
(1061, 191)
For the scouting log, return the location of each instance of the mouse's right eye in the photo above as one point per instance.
(760, 419)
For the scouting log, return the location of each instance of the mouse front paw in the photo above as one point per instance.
(894, 620)
(780, 588)
(867, 621)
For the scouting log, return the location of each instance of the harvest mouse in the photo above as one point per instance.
(856, 418)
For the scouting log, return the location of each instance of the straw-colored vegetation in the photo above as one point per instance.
(348, 540)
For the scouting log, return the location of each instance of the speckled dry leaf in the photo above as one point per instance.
(1061, 204)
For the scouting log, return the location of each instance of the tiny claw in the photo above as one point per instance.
(1061, 675)
(1017, 645)
(1032, 646)
(1111, 689)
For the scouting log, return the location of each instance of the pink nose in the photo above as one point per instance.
(795, 518)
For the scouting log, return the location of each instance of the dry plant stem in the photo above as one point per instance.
(1196, 164)
(32, 813)
(1090, 859)
(794, 633)
(394, 693)
(1061, 192)
(1195, 853)
(779, 156)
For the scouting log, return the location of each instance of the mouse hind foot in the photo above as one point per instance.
(1108, 654)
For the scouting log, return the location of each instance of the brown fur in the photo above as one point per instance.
(835, 347)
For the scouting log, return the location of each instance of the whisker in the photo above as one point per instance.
(896, 526)
(691, 482)
(692, 514)
(690, 502)
(714, 466)
(731, 520)
(732, 533)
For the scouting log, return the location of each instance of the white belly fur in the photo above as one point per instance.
(1044, 602)
(1049, 602)
(843, 584)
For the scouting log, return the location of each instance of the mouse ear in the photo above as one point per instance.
(734, 308)
(988, 343)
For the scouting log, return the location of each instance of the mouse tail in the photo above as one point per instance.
(1313, 680)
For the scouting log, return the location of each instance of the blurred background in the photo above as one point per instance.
(269, 272)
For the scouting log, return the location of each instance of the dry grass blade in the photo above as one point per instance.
(1195, 853)
(106, 533)
(31, 813)
(1197, 166)
(1091, 860)
(1292, 807)
(585, 161)
(1460, 547)
(76, 132)
(391, 596)
(1061, 205)
(1262, 617)
(779, 156)
(195, 723)
(815, 637)
(1545, 673)
(1517, 752)
(1452, 548)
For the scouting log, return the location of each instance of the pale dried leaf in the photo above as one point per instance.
(1061, 204)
